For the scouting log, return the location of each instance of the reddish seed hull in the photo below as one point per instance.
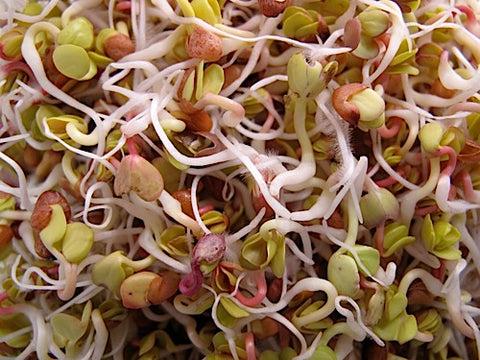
(42, 212)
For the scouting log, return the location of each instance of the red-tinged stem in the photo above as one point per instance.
(205, 208)
(259, 296)
(250, 346)
(2, 54)
(284, 335)
(267, 125)
(192, 282)
(440, 272)
(472, 24)
(389, 180)
(452, 159)
(452, 193)
(388, 133)
(5, 310)
(380, 237)
(17, 65)
(365, 284)
(115, 162)
(468, 190)
(423, 211)
(132, 149)
(124, 6)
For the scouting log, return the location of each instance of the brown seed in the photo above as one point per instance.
(203, 44)
(351, 36)
(118, 46)
(31, 156)
(42, 212)
(340, 100)
(440, 90)
(6, 235)
(335, 220)
(197, 119)
(274, 290)
(375, 352)
(322, 28)
(265, 328)
(418, 294)
(272, 8)
(185, 77)
(40, 248)
(163, 287)
(231, 74)
(470, 152)
(185, 199)
(6, 350)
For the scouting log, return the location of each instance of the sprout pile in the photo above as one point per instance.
(240, 179)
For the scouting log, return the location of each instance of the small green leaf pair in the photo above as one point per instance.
(377, 206)
(215, 221)
(287, 353)
(201, 81)
(68, 329)
(74, 239)
(308, 80)
(374, 22)
(12, 323)
(173, 240)
(392, 155)
(74, 62)
(299, 23)
(440, 238)
(222, 348)
(195, 304)
(395, 238)
(11, 43)
(396, 324)
(305, 319)
(343, 269)
(151, 345)
(228, 312)
(259, 251)
(252, 105)
(114, 268)
(403, 62)
(207, 10)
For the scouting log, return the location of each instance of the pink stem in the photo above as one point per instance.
(380, 237)
(388, 133)
(2, 54)
(472, 24)
(452, 159)
(192, 282)
(259, 296)
(250, 346)
(124, 6)
(468, 190)
(114, 161)
(206, 208)
(270, 118)
(422, 211)
(17, 65)
(5, 310)
(364, 284)
(439, 272)
(389, 180)
(132, 150)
